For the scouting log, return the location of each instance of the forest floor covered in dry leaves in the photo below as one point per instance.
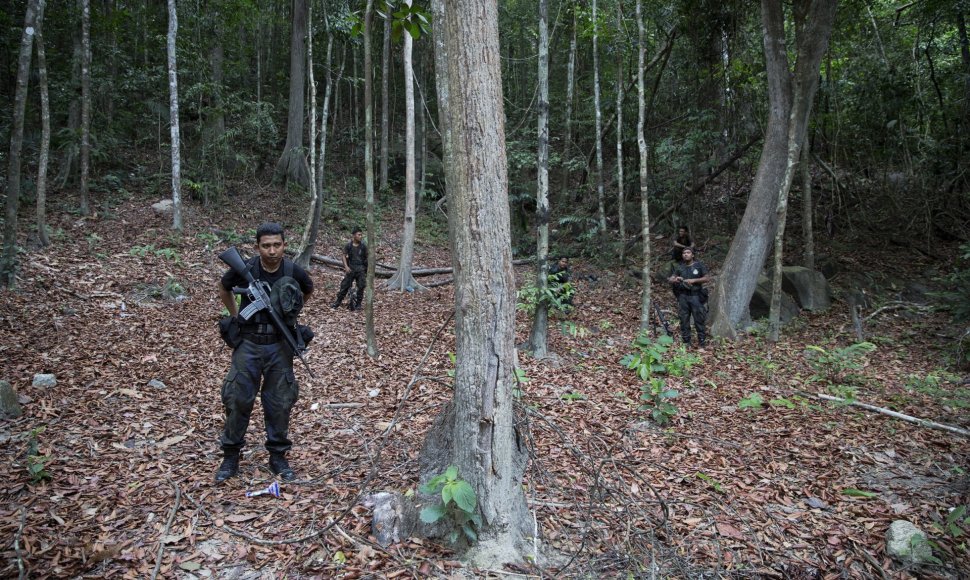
(123, 311)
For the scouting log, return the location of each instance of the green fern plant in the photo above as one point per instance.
(837, 367)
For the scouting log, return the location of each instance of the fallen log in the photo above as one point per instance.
(388, 271)
(908, 418)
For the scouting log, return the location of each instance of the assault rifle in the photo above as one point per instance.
(258, 293)
(663, 320)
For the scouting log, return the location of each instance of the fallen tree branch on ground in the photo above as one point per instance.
(388, 271)
(908, 418)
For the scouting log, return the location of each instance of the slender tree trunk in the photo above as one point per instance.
(441, 86)
(217, 120)
(644, 169)
(385, 113)
(570, 89)
(292, 165)
(477, 433)
(620, 79)
(45, 139)
(8, 261)
(540, 325)
(315, 197)
(85, 104)
(70, 152)
(749, 249)
(808, 227)
(600, 194)
(173, 96)
(316, 211)
(369, 179)
(403, 280)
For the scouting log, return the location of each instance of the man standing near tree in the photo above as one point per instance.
(688, 280)
(262, 362)
(355, 268)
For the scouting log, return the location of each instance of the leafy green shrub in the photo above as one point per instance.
(458, 503)
(837, 367)
(648, 362)
(752, 401)
(555, 296)
(36, 463)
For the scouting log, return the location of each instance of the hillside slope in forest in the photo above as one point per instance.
(108, 473)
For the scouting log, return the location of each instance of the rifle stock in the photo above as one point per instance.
(259, 297)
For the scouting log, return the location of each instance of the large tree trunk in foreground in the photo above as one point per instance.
(477, 433)
(8, 261)
(746, 257)
(540, 324)
(292, 165)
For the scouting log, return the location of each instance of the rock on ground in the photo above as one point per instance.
(907, 543)
(45, 381)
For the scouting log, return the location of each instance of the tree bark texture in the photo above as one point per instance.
(45, 139)
(403, 280)
(540, 324)
(85, 104)
(292, 165)
(8, 262)
(808, 221)
(619, 134)
(316, 210)
(439, 34)
(173, 101)
(484, 443)
(369, 180)
(600, 194)
(787, 121)
(644, 168)
(570, 89)
(385, 112)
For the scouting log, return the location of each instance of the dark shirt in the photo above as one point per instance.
(696, 269)
(231, 279)
(678, 252)
(561, 274)
(356, 256)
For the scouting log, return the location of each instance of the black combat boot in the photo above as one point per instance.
(279, 466)
(229, 467)
(335, 305)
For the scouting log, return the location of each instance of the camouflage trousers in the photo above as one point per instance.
(266, 369)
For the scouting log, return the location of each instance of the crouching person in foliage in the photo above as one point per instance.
(262, 362)
(559, 275)
(687, 279)
(355, 268)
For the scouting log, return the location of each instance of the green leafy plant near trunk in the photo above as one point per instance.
(458, 503)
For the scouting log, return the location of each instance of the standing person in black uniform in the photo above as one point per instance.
(688, 280)
(262, 362)
(683, 240)
(355, 266)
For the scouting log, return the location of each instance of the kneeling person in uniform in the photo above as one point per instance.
(262, 362)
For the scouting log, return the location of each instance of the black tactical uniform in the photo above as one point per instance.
(689, 300)
(356, 257)
(262, 363)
